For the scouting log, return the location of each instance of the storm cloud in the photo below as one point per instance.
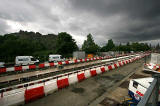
(120, 20)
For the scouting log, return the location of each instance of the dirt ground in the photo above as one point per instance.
(87, 91)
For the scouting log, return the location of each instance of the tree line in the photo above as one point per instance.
(91, 47)
(38, 45)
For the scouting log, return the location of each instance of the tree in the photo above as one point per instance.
(109, 46)
(89, 46)
(65, 44)
(157, 47)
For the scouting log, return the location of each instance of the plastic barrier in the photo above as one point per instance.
(102, 69)
(78, 61)
(25, 67)
(98, 70)
(18, 68)
(126, 62)
(110, 67)
(93, 72)
(13, 97)
(50, 86)
(41, 65)
(59, 62)
(87, 73)
(36, 91)
(2, 70)
(10, 69)
(33, 94)
(63, 62)
(123, 62)
(46, 64)
(106, 68)
(67, 62)
(75, 61)
(81, 60)
(120, 64)
(51, 64)
(80, 76)
(73, 78)
(115, 65)
(32, 66)
(62, 82)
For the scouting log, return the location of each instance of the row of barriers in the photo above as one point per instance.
(33, 90)
(51, 64)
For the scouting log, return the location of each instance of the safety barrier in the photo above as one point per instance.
(33, 91)
(15, 97)
(51, 64)
(81, 76)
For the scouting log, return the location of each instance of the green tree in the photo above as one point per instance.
(110, 45)
(65, 44)
(89, 46)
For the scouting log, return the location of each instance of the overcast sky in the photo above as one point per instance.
(120, 20)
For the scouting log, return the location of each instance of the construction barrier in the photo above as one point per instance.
(62, 82)
(98, 70)
(93, 72)
(110, 67)
(42, 65)
(35, 90)
(15, 97)
(87, 73)
(80, 76)
(103, 69)
(73, 78)
(50, 86)
(32, 66)
(2, 70)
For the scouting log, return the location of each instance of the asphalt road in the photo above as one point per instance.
(85, 92)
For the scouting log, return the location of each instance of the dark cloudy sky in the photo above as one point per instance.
(121, 20)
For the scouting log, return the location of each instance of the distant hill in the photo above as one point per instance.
(47, 40)
(26, 43)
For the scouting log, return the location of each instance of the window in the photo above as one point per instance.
(20, 59)
(33, 59)
(135, 84)
(23, 59)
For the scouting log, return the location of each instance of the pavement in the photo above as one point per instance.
(93, 91)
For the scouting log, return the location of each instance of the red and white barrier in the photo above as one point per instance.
(80, 76)
(36, 90)
(15, 97)
(98, 70)
(87, 73)
(50, 86)
(73, 78)
(62, 82)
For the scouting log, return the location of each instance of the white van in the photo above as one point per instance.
(25, 60)
(2, 64)
(138, 87)
(55, 58)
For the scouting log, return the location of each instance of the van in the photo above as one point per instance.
(25, 60)
(2, 64)
(55, 58)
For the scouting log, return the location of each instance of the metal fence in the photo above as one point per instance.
(151, 96)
